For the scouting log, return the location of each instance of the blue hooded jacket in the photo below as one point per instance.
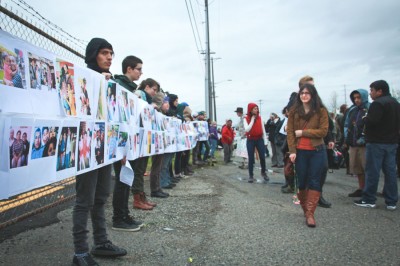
(354, 124)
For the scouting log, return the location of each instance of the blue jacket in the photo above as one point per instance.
(354, 123)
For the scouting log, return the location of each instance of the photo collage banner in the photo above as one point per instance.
(59, 119)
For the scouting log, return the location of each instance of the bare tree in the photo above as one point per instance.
(333, 101)
(396, 94)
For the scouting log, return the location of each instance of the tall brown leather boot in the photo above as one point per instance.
(311, 205)
(302, 196)
(144, 198)
(138, 203)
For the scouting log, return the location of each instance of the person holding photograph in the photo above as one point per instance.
(306, 128)
(93, 187)
(122, 220)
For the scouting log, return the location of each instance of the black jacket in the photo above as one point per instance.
(382, 123)
(125, 82)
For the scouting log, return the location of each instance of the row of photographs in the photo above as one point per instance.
(41, 152)
(91, 144)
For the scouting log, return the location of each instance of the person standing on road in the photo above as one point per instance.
(256, 139)
(355, 138)
(93, 188)
(306, 128)
(270, 127)
(382, 125)
(122, 220)
(227, 140)
(241, 150)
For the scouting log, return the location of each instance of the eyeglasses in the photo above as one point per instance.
(138, 69)
(305, 93)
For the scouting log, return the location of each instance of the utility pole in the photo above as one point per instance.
(213, 106)
(259, 105)
(345, 94)
(208, 94)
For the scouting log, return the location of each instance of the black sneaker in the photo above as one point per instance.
(86, 260)
(131, 220)
(265, 176)
(108, 249)
(124, 226)
(251, 179)
(361, 203)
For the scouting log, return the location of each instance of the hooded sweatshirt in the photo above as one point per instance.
(355, 124)
(254, 128)
(92, 50)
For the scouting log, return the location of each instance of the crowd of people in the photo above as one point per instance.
(302, 137)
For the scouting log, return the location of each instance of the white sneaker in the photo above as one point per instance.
(391, 207)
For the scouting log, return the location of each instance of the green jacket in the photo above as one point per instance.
(125, 82)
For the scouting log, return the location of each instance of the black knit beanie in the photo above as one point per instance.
(92, 49)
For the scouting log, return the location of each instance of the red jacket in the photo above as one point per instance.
(227, 135)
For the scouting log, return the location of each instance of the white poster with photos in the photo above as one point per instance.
(13, 75)
(84, 92)
(43, 149)
(67, 151)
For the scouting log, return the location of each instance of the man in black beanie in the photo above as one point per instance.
(93, 188)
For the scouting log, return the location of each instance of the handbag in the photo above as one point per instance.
(288, 168)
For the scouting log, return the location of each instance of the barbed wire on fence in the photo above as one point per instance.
(22, 20)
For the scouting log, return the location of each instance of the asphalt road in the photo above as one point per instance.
(216, 218)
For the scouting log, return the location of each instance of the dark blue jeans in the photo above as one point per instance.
(380, 157)
(92, 190)
(251, 145)
(165, 175)
(310, 167)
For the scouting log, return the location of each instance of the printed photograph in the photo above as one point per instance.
(66, 148)
(122, 139)
(101, 104)
(19, 145)
(99, 139)
(44, 142)
(112, 140)
(65, 85)
(123, 106)
(84, 146)
(112, 108)
(84, 97)
(41, 73)
(12, 67)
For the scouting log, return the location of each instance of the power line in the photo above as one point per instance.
(191, 24)
(195, 23)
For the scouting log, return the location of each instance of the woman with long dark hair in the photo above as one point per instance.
(306, 128)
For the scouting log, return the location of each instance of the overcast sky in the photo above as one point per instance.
(265, 46)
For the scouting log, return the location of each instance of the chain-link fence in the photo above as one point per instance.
(23, 21)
